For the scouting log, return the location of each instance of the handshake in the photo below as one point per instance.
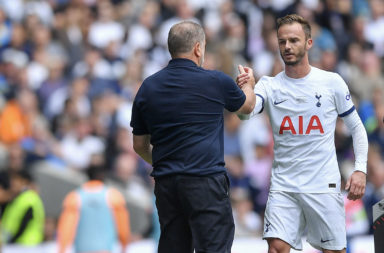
(245, 77)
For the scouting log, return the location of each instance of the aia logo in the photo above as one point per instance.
(314, 124)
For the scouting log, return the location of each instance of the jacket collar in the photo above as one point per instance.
(181, 62)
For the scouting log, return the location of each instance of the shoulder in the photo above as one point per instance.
(29, 196)
(269, 81)
(332, 80)
(71, 200)
(150, 79)
(154, 78)
(115, 198)
(218, 79)
(145, 87)
(327, 75)
(217, 74)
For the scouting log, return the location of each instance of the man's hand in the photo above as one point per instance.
(247, 88)
(356, 185)
(245, 76)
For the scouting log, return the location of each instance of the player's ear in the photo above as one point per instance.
(309, 43)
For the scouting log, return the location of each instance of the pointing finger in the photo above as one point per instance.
(241, 69)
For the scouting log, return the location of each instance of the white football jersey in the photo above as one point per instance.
(303, 114)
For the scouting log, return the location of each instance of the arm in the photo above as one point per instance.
(142, 146)
(67, 226)
(121, 216)
(259, 91)
(259, 105)
(247, 87)
(357, 181)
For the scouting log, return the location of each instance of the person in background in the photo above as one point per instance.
(94, 217)
(23, 220)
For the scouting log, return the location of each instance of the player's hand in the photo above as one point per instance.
(356, 185)
(245, 76)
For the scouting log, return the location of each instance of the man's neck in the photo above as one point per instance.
(299, 70)
(189, 57)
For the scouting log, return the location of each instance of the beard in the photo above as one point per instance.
(297, 59)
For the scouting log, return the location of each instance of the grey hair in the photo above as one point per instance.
(183, 36)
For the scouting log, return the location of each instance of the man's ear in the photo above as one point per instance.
(197, 50)
(309, 43)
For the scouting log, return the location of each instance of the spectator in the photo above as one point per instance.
(70, 28)
(54, 82)
(247, 221)
(77, 92)
(259, 172)
(231, 134)
(139, 35)
(374, 29)
(125, 177)
(105, 30)
(5, 195)
(375, 185)
(6, 28)
(15, 120)
(79, 145)
(377, 136)
(369, 77)
(23, 219)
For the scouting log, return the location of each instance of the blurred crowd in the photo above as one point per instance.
(70, 69)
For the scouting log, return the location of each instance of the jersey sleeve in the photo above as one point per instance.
(233, 96)
(360, 140)
(343, 99)
(261, 99)
(137, 120)
(261, 95)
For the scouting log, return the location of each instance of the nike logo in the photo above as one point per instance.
(279, 102)
(323, 241)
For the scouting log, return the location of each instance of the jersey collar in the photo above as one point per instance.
(299, 80)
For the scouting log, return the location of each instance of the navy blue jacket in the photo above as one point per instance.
(181, 107)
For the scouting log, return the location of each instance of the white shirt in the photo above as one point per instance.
(102, 33)
(374, 33)
(303, 114)
(78, 153)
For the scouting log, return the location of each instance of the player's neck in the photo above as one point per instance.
(299, 70)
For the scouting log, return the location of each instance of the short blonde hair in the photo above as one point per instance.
(294, 18)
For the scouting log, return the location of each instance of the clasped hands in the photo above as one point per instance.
(245, 77)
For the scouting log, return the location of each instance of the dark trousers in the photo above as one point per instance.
(194, 213)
